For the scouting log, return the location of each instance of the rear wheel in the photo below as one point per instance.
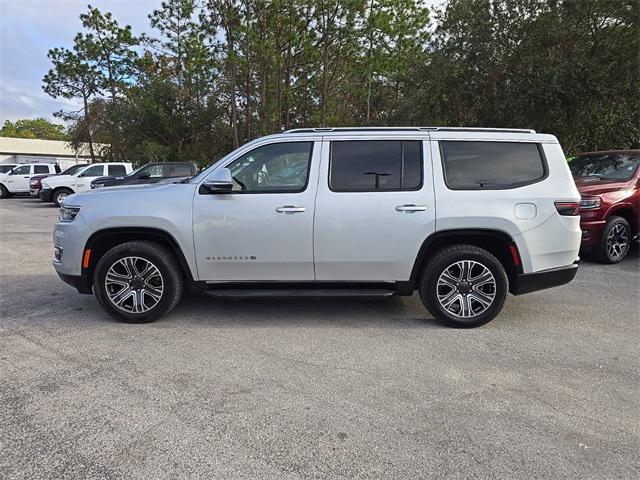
(138, 282)
(4, 193)
(463, 286)
(60, 195)
(615, 241)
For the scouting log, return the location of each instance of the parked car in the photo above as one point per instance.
(150, 173)
(7, 167)
(57, 188)
(462, 216)
(609, 183)
(17, 179)
(35, 182)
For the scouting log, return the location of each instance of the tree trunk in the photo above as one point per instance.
(87, 121)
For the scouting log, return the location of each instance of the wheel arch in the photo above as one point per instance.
(498, 243)
(626, 212)
(103, 240)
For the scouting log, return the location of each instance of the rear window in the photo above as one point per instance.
(491, 165)
(117, 170)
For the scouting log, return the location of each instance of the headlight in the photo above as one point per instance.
(589, 203)
(97, 185)
(45, 185)
(68, 214)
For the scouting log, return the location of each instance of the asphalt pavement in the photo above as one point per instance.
(345, 388)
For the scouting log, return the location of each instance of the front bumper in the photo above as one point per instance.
(79, 282)
(34, 192)
(45, 194)
(553, 277)
(591, 232)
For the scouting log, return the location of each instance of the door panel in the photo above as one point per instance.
(18, 181)
(264, 235)
(83, 181)
(372, 235)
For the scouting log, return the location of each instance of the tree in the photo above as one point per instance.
(72, 77)
(39, 128)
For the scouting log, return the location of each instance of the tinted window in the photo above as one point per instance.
(95, 171)
(41, 169)
(278, 167)
(179, 170)
(6, 168)
(366, 166)
(117, 170)
(491, 165)
(605, 166)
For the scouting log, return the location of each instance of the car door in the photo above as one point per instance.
(18, 179)
(262, 230)
(83, 181)
(374, 209)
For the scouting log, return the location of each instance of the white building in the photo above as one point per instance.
(26, 150)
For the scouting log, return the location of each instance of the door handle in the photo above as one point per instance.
(410, 207)
(290, 209)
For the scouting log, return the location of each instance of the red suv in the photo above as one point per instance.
(609, 183)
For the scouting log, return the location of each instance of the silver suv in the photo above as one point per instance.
(462, 216)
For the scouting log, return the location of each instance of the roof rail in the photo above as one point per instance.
(409, 129)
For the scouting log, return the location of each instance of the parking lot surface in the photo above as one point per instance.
(347, 388)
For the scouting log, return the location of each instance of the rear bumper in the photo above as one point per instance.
(79, 282)
(45, 194)
(591, 232)
(553, 277)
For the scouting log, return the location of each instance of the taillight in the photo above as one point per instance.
(568, 208)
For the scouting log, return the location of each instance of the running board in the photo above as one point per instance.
(299, 292)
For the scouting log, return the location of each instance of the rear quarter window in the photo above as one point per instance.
(470, 165)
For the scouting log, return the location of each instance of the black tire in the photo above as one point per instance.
(606, 253)
(4, 193)
(495, 288)
(56, 193)
(169, 271)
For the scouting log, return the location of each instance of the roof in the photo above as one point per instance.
(56, 148)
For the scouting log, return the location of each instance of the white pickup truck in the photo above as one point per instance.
(17, 179)
(56, 189)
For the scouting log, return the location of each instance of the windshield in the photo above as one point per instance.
(6, 168)
(605, 166)
(73, 169)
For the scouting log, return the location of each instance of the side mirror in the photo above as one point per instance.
(220, 181)
(143, 175)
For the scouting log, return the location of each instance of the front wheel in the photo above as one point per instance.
(4, 193)
(615, 241)
(138, 282)
(60, 195)
(463, 286)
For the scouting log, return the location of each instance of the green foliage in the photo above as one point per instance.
(39, 128)
(217, 73)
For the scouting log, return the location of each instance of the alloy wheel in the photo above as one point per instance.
(134, 284)
(617, 241)
(466, 289)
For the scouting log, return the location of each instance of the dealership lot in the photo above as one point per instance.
(312, 388)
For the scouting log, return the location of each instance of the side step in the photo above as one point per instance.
(299, 292)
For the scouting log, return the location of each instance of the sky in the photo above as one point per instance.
(30, 28)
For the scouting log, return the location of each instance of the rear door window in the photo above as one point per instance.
(375, 165)
(117, 170)
(472, 165)
(41, 169)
